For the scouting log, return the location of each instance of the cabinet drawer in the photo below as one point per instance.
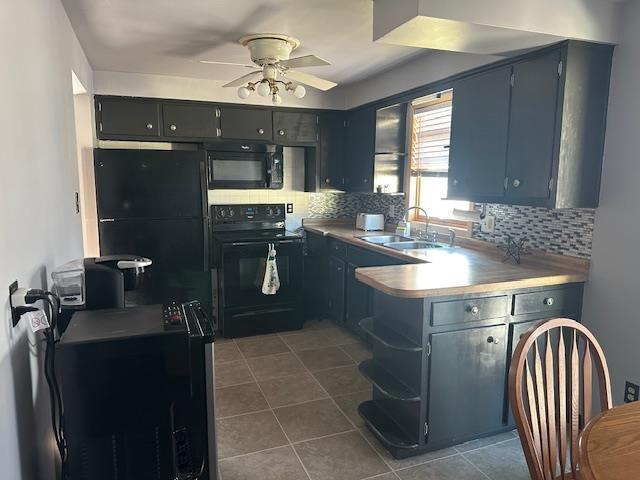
(338, 249)
(566, 300)
(469, 310)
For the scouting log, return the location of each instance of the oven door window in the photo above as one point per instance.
(244, 270)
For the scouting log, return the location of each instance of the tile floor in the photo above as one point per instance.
(286, 407)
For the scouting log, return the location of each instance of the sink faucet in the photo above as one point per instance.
(426, 219)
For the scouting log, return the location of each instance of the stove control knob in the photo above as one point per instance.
(269, 212)
(278, 211)
(232, 212)
(222, 213)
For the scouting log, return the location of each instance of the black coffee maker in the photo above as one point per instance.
(93, 283)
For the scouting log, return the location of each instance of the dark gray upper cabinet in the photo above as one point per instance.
(331, 150)
(191, 121)
(290, 128)
(245, 124)
(479, 127)
(557, 108)
(376, 142)
(534, 100)
(126, 117)
(391, 132)
(360, 150)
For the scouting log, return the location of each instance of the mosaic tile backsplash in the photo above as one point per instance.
(567, 231)
(347, 205)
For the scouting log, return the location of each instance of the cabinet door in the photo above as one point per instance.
(292, 127)
(360, 154)
(128, 117)
(246, 124)
(532, 128)
(466, 385)
(336, 289)
(391, 124)
(357, 302)
(479, 129)
(332, 150)
(191, 121)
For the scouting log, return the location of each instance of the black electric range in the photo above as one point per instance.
(240, 239)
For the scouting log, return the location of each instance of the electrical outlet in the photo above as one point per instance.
(488, 224)
(289, 207)
(631, 392)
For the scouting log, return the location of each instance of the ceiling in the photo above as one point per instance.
(169, 37)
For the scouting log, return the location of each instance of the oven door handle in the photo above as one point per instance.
(276, 242)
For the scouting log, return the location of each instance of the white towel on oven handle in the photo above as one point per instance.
(271, 282)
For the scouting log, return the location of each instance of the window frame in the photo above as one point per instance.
(460, 226)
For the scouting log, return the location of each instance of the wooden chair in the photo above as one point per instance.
(547, 397)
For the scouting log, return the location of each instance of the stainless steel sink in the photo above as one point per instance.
(384, 239)
(412, 245)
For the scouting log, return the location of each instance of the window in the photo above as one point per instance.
(430, 132)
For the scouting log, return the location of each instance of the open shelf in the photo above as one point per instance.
(388, 337)
(386, 430)
(387, 383)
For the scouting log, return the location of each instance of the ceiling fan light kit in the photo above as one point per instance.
(270, 54)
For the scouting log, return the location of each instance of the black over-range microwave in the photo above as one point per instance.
(236, 165)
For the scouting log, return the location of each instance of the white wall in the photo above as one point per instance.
(414, 73)
(165, 86)
(39, 226)
(611, 299)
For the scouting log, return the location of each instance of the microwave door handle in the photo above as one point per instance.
(268, 165)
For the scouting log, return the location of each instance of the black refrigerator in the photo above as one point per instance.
(154, 203)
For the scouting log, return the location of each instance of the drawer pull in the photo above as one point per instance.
(492, 339)
(473, 309)
(548, 301)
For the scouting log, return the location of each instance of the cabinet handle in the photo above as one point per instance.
(473, 309)
(548, 301)
(327, 180)
(218, 132)
(261, 131)
(492, 339)
(281, 133)
(365, 180)
(173, 128)
(516, 183)
(455, 181)
(149, 126)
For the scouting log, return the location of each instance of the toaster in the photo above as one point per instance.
(370, 221)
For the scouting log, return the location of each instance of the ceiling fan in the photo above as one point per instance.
(270, 56)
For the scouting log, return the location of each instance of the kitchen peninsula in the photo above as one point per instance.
(443, 323)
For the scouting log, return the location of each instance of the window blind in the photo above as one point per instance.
(430, 136)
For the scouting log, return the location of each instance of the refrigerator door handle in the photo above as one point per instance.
(206, 247)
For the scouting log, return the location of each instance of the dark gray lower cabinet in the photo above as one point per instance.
(466, 394)
(440, 375)
(336, 289)
(358, 300)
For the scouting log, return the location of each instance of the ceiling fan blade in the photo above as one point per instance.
(311, 80)
(306, 61)
(243, 79)
(213, 62)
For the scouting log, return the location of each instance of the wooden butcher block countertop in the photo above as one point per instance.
(472, 266)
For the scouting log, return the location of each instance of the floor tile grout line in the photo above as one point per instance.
(431, 460)
(475, 466)
(279, 424)
(484, 446)
(348, 419)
